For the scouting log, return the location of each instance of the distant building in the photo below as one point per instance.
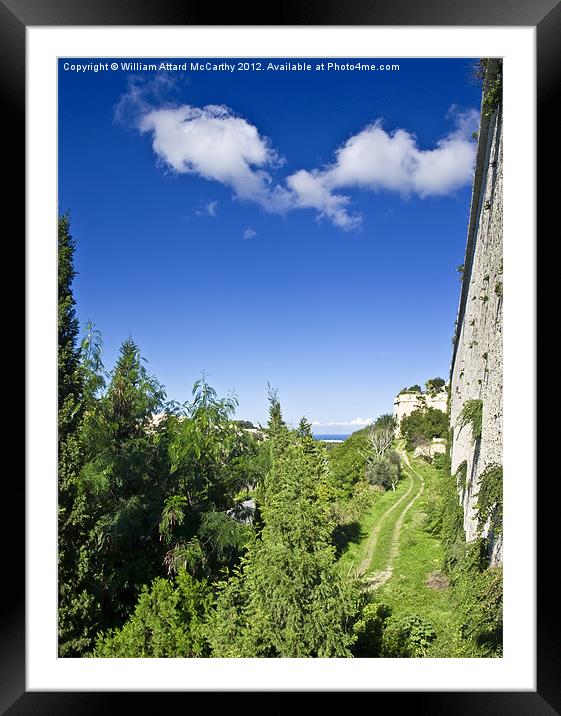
(405, 403)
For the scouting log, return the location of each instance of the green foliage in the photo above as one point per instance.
(151, 488)
(384, 471)
(369, 630)
(472, 414)
(413, 389)
(424, 424)
(70, 379)
(386, 420)
(92, 365)
(288, 599)
(483, 623)
(304, 428)
(461, 475)
(75, 604)
(493, 96)
(245, 424)
(168, 621)
(445, 515)
(435, 385)
(347, 462)
(407, 636)
(490, 499)
(172, 514)
(477, 588)
(439, 461)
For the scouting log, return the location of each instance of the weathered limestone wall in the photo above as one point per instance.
(478, 359)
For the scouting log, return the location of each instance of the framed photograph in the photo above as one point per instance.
(291, 220)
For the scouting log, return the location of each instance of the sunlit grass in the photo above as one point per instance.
(351, 557)
(420, 554)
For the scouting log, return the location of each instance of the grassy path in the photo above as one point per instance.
(385, 518)
(357, 557)
(420, 555)
(390, 529)
(396, 555)
(373, 561)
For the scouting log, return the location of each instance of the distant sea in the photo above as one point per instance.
(340, 438)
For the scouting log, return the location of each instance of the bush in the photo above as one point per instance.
(490, 499)
(369, 630)
(435, 385)
(412, 389)
(347, 461)
(424, 424)
(439, 461)
(168, 621)
(408, 636)
(384, 471)
(484, 612)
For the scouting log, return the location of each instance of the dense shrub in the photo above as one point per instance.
(168, 621)
(384, 471)
(408, 636)
(425, 424)
(369, 630)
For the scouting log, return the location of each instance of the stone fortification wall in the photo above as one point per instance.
(476, 372)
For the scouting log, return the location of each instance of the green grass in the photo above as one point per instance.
(352, 555)
(384, 544)
(420, 554)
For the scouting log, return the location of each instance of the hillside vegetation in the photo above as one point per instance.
(186, 533)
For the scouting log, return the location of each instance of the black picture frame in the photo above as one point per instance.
(545, 16)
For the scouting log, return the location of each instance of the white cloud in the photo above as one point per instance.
(249, 233)
(355, 422)
(377, 160)
(310, 192)
(214, 143)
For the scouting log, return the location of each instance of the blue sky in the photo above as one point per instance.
(296, 228)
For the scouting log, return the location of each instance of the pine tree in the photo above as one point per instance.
(168, 621)
(304, 428)
(288, 599)
(120, 487)
(72, 604)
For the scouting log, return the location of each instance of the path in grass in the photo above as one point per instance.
(410, 590)
(388, 531)
(398, 556)
(371, 558)
(354, 555)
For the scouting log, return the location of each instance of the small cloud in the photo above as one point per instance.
(355, 422)
(209, 209)
(249, 233)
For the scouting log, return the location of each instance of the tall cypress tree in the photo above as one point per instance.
(70, 413)
(70, 382)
